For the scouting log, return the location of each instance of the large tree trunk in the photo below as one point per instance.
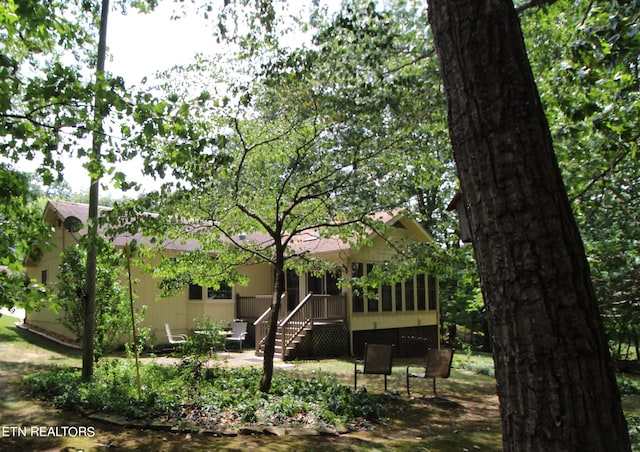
(555, 377)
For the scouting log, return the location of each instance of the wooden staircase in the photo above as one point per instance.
(281, 350)
(297, 325)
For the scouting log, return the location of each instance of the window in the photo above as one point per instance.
(195, 292)
(387, 301)
(326, 284)
(421, 292)
(398, 287)
(331, 282)
(433, 293)
(418, 293)
(315, 284)
(372, 302)
(358, 296)
(44, 276)
(408, 295)
(223, 292)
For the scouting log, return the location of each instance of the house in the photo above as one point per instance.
(318, 318)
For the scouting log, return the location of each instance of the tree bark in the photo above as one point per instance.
(555, 377)
(92, 254)
(270, 342)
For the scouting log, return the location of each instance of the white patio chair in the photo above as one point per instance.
(175, 339)
(238, 333)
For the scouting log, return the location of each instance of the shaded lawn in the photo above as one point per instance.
(469, 419)
(465, 417)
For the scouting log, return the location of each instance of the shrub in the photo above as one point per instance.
(204, 344)
(113, 315)
(191, 392)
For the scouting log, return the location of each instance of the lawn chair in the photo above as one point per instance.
(378, 360)
(238, 333)
(175, 339)
(438, 365)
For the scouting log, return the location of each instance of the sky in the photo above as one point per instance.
(138, 46)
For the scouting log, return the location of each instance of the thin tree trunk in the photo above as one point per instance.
(90, 295)
(270, 342)
(554, 373)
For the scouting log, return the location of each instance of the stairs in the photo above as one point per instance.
(293, 338)
(291, 348)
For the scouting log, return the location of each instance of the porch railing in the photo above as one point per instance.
(329, 307)
(295, 322)
(261, 325)
(325, 307)
(252, 307)
(312, 309)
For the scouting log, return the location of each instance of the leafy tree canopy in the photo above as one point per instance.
(47, 89)
(585, 55)
(23, 235)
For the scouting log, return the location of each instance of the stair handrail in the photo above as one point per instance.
(260, 325)
(298, 318)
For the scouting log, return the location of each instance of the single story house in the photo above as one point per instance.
(336, 320)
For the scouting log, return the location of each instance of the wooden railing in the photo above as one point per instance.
(329, 307)
(312, 309)
(295, 322)
(261, 325)
(252, 307)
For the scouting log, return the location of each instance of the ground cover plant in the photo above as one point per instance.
(192, 394)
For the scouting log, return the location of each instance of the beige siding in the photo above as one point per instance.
(260, 280)
(159, 310)
(384, 320)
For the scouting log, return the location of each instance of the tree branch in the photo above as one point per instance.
(608, 170)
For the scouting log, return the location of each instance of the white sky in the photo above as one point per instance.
(138, 46)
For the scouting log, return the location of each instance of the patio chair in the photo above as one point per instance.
(238, 333)
(378, 360)
(438, 365)
(175, 339)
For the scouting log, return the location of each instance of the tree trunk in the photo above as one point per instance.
(90, 297)
(554, 373)
(270, 343)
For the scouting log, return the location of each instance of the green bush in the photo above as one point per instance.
(628, 385)
(59, 385)
(474, 363)
(205, 344)
(113, 311)
(633, 422)
(191, 392)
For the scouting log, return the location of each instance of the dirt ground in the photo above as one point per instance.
(456, 423)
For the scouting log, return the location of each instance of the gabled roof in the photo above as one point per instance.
(63, 213)
(59, 212)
